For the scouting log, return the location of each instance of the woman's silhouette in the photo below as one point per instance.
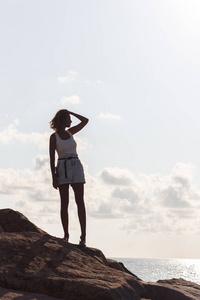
(69, 170)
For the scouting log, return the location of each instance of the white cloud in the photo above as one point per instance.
(127, 193)
(74, 99)
(116, 176)
(109, 117)
(87, 81)
(12, 181)
(174, 196)
(73, 76)
(143, 204)
(183, 173)
(32, 191)
(9, 132)
(153, 203)
(41, 161)
(11, 135)
(177, 189)
(70, 77)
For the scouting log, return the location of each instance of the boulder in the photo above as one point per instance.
(173, 289)
(14, 221)
(35, 262)
(36, 265)
(6, 294)
(120, 266)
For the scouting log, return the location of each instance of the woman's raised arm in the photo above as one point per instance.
(78, 127)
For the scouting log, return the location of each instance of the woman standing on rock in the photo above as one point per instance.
(69, 170)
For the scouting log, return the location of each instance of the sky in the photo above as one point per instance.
(132, 67)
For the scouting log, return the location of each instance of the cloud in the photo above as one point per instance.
(70, 77)
(109, 117)
(99, 81)
(144, 204)
(12, 181)
(127, 193)
(11, 135)
(174, 196)
(153, 203)
(74, 99)
(73, 76)
(183, 173)
(87, 81)
(32, 191)
(116, 176)
(9, 132)
(41, 161)
(177, 190)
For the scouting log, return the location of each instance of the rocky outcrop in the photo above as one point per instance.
(36, 265)
(173, 289)
(8, 294)
(14, 221)
(35, 262)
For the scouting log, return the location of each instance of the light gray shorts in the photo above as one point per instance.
(69, 170)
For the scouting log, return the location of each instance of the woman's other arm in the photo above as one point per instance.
(52, 148)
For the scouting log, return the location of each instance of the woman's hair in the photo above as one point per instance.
(56, 122)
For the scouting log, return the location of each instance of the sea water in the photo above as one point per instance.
(155, 269)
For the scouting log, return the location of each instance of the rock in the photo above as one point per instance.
(95, 253)
(173, 289)
(40, 263)
(6, 294)
(119, 266)
(1, 229)
(115, 265)
(35, 262)
(36, 265)
(14, 221)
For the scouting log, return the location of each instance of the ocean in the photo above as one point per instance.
(155, 269)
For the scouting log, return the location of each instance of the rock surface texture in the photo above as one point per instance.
(35, 265)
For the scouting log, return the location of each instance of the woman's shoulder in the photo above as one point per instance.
(53, 136)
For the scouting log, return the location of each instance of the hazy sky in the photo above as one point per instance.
(132, 67)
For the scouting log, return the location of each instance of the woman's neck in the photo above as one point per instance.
(62, 130)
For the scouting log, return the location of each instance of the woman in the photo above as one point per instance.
(69, 170)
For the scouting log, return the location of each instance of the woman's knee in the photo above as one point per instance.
(64, 196)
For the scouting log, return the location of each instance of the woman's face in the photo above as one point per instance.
(67, 120)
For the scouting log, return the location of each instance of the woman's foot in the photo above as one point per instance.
(82, 242)
(66, 238)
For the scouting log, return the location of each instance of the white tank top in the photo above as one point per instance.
(65, 147)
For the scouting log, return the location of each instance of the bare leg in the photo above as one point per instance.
(64, 197)
(79, 197)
